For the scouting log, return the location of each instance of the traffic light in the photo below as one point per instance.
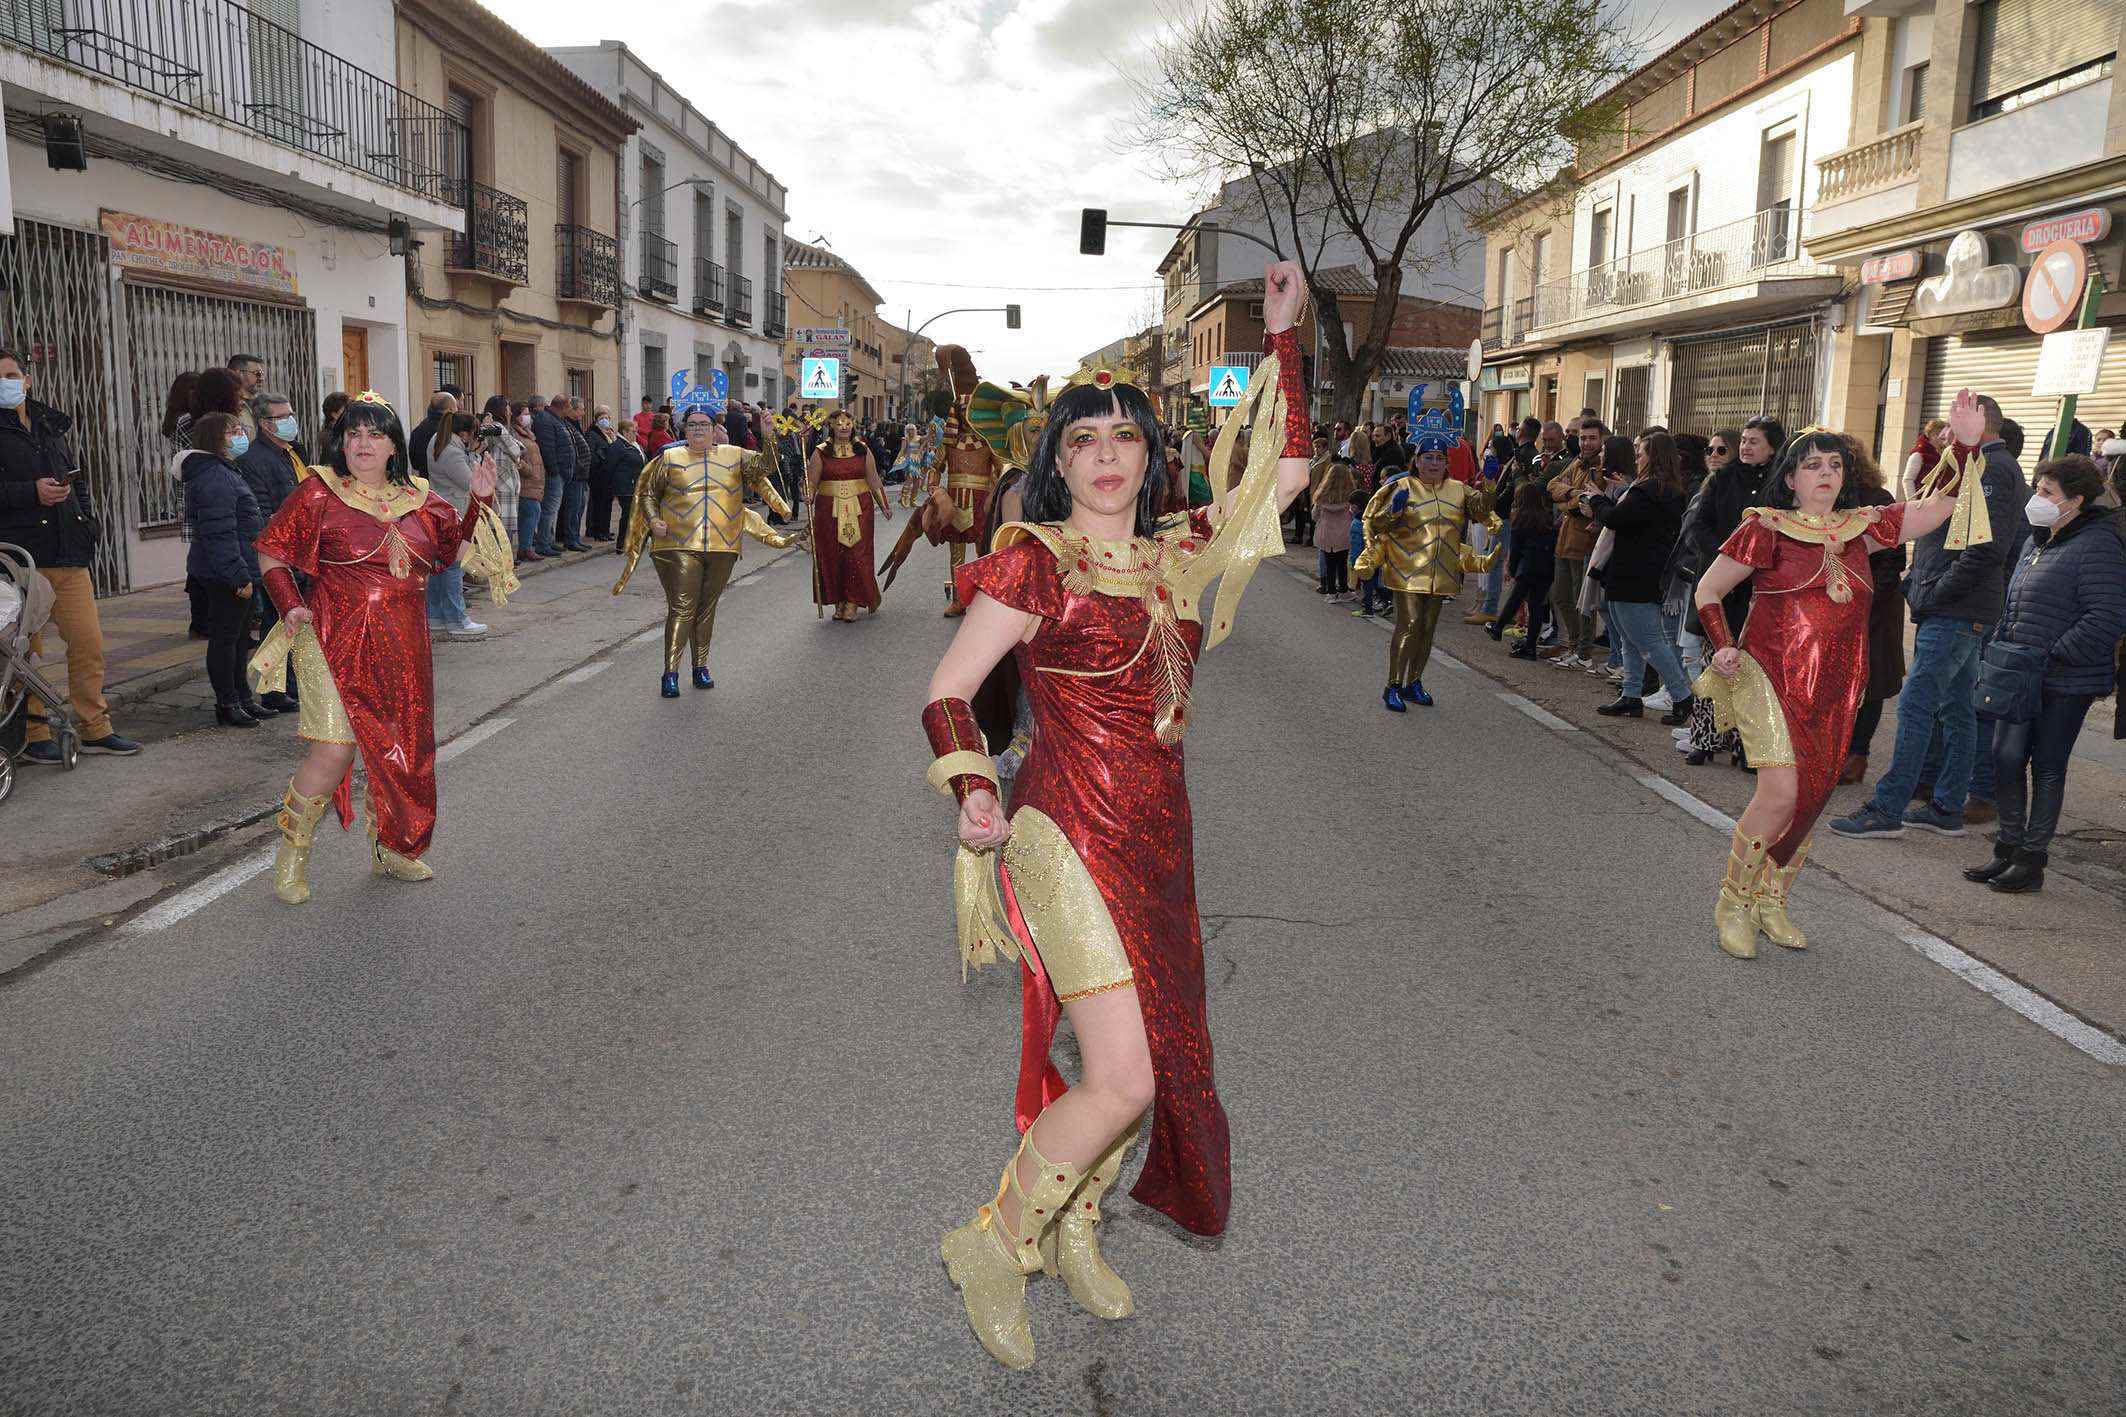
(849, 387)
(1092, 233)
(1011, 317)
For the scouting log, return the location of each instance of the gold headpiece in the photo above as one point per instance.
(1099, 376)
(373, 397)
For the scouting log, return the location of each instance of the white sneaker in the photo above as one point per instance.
(1683, 744)
(1659, 701)
(1567, 660)
(1600, 668)
(1614, 676)
(1682, 733)
(470, 630)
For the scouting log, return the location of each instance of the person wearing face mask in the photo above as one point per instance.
(2067, 610)
(1793, 682)
(531, 483)
(45, 509)
(689, 509)
(598, 517)
(271, 467)
(843, 486)
(1713, 515)
(223, 517)
(450, 470)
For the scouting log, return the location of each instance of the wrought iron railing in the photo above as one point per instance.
(586, 266)
(708, 287)
(1762, 247)
(1493, 334)
(1522, 321)
(220, 59)
(496, 239)
(778, 323)
(1879, 162)
(660, 267)
(741, 312)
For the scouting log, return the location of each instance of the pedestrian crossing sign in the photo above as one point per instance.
(820, 379)
(1228, 383)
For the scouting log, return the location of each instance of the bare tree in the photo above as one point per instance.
(1385, 125)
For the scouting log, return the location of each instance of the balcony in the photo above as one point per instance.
(778, 323)
(741, 311)
(222, 60)
(1721, 265)
(660, 267)
(586, 266)
(1493, 331)
(1870, 166)
(708, 287)
(496, 236)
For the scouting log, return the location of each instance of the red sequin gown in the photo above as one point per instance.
(373, 628)
(1119, 796)
(1812, 647)
(848, 575)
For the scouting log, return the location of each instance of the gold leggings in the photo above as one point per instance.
(693, 582)
(1410, 647)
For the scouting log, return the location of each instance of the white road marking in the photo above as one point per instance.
(1540, 714)
(587, 671)
(2035, 1007)
(198, 894)
(649, 637)
(1698, 807)
(472, 738)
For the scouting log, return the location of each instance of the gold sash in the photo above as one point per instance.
(848, 494)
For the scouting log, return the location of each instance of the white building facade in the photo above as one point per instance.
(248, 174)
(701, 229)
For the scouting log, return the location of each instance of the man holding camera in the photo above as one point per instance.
(44, 509)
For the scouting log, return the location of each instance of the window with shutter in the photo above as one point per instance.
(565, 188)
(2029, 48)
(457, 153)
(275, 60)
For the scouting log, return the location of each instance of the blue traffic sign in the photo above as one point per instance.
(1229, 383)
(820, 379)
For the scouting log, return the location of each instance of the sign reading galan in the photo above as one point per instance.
(144, 243)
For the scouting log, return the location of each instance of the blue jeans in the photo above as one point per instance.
(1937, 693)
(446, 597)
(1983, 770)
(527, 524)
(573, 501)
(1642, 632)
(550, 514)
(1495, 578)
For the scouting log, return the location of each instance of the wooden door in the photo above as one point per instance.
(354, 358)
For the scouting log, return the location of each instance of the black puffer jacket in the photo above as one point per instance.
(1968, 584)
(224, 519)
(2068, 597)
(1646, 520)
(1714, 512)
(60, 535)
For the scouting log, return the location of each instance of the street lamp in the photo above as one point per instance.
(1011, 322)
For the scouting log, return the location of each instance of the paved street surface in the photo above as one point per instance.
(660, 1097)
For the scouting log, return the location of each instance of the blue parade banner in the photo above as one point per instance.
(713, 395)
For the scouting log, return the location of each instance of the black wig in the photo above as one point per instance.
(1779, 489)
(359, 414)
(1047, 494)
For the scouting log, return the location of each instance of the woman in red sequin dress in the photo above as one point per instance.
(1794, 682)
(366, 534)
(1097, 595)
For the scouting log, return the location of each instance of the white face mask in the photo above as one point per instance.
(2041, 513)
(606, 424)
(285, 428)
(13, 392)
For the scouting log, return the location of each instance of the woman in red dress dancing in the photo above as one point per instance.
(1793, 684)
(1097, 595)
(843, 486)
(367, 534)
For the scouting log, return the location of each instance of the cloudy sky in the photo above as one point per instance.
(944, 147)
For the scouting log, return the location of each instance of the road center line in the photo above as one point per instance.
(472, 738)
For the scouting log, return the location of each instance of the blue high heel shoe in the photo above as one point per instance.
(1414, 692)
(1393, 698)
(702, 679)
(669, 686)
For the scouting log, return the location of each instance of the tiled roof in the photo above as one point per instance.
(803, 255)
(1427, 364)
(1343, 280)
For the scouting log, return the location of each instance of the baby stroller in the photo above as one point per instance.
(25, 605)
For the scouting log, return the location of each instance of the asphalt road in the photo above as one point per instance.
(660, 1097)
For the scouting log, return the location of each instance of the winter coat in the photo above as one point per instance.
(1710, 519)
(2068, 597)
(1576, 532)
(270, 474)
(623, 464)
(581, 447)
(531, 468)
(420, 442)
(1534, 555)
(1646, 519)
(557, 454)
(224, 520)
(450, 472)
(60, 535)
(1886, 618)
(1970, 584)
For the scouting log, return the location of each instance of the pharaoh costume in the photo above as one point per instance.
(843, 512)
(1414, 536)
(1804, 669)
(1097, 887)
(364, 664)
(970, 467)
(701, 499)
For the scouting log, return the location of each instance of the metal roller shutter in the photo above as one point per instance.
(1730, 379)
(2023, 42)
(2002, 364)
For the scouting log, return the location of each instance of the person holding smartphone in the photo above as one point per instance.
(45, 509)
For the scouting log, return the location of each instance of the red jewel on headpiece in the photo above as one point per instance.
(1103, 378)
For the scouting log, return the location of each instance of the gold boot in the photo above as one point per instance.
(1769, 908)
(1733, 916)
(298, 819)
(1071, 1251)
(383, 861)
(989, 1263)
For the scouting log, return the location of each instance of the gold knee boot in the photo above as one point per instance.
(1733, 916)
(298, 819)
(1769, 908)
(989, 1262)
(1071, 1251)
(383, 861)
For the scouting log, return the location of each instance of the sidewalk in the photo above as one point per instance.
(2067, 942)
